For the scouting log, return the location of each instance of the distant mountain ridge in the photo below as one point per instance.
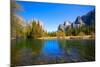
(87, 19)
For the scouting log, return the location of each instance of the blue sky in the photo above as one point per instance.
(52, 14)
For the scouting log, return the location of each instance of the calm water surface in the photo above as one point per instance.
(33, 52)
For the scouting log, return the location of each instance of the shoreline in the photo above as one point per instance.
(69, 37)
(65, 37)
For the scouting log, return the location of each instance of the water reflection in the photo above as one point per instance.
(24, 52)
(28, 52)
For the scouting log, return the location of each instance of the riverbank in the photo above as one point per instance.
(63, 37)
(69, 37)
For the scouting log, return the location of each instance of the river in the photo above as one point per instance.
(51, 51)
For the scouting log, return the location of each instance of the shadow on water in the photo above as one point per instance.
(29, 51)
(24, 52)
(79, 50)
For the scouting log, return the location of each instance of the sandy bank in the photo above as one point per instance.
(69, 37)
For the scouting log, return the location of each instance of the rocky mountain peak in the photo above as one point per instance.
(89, 18)
(67, 23)
(79, 20)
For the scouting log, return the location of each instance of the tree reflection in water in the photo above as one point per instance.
(28, 52)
